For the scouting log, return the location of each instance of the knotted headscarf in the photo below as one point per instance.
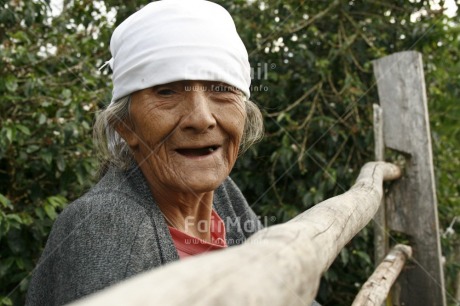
(173, 40)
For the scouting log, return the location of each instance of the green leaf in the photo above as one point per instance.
(57, 201)
(5, 301)
(5, 201)
(20, 263)
(49, 209)
(5, 264)
(280, 117)
(60, 162)
(345, 256)
(363, 255)
(32, 148)
(14, 220)
(47, 157)
(85, 125)
(41, 119)
(11, 83)
(9, 133)
(39, 212)
(66, 93)
(23, 129)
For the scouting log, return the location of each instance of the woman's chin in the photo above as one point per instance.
(198, 174)
(201, 182)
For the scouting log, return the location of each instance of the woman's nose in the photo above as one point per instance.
(198, 116)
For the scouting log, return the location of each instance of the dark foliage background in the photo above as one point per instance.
(313, 82)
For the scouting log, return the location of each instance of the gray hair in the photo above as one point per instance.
(112, 149)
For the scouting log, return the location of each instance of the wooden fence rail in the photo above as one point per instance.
(375, 290)
(280, 265)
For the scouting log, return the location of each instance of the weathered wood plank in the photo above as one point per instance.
(412, 204)
(380, 223)
(280, 265)
(375, 290)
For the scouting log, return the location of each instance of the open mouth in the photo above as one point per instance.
(197, 151)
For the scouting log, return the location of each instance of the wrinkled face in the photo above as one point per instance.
(185, 135)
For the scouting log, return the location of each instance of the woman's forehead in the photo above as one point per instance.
(193, 83)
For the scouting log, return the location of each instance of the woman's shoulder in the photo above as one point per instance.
(116, 199)
(101, 205)
(99, 239)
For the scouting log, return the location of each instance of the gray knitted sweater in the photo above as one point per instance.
(116, 230)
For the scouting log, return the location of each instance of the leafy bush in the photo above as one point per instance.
(312, 79)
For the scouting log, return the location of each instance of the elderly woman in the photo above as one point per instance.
(178, 119)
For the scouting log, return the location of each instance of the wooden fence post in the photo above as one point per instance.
(381, 243)
(411, 206)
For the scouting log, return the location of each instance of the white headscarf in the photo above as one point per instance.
(173, 40)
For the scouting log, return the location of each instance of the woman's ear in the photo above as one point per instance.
(126, 131)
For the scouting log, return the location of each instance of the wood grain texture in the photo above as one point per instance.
(411, 204)
(279, 265)
(380, 223)
(375, 290)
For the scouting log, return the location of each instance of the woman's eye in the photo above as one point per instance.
(166, 92)
(222, 88)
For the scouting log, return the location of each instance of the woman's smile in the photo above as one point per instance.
(198, 152)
